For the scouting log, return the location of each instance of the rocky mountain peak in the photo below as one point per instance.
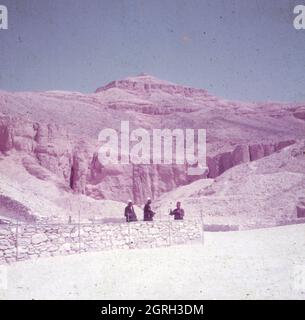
(145, 83)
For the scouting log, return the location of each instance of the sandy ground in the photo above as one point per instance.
(253, 264)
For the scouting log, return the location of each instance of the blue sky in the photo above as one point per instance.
(237, 49)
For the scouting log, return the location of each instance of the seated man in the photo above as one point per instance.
(148, 213)
(130, 214)
(178, 212)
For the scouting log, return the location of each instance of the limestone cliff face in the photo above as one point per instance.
(57, 132)
(75, 163)
(47, 143)
(241, 154)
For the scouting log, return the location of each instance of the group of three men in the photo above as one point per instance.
(131, 216)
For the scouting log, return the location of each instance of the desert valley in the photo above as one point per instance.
(49, 165)
(57, 199)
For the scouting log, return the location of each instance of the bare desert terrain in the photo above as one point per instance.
(253, 264)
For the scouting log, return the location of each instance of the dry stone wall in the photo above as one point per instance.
(30, 241)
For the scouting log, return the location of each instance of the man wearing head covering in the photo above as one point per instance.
(130, 214)
(148, 213)
(178, 213)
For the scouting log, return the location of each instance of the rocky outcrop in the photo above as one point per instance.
(135, 182)
(76, 165)
(152, 110)
(79, 169)
(6, 135)
(300, 113)
(12, 208)
(243, 153)
(145, 84)
(240, 155)
(301, 208)
(49, 144)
